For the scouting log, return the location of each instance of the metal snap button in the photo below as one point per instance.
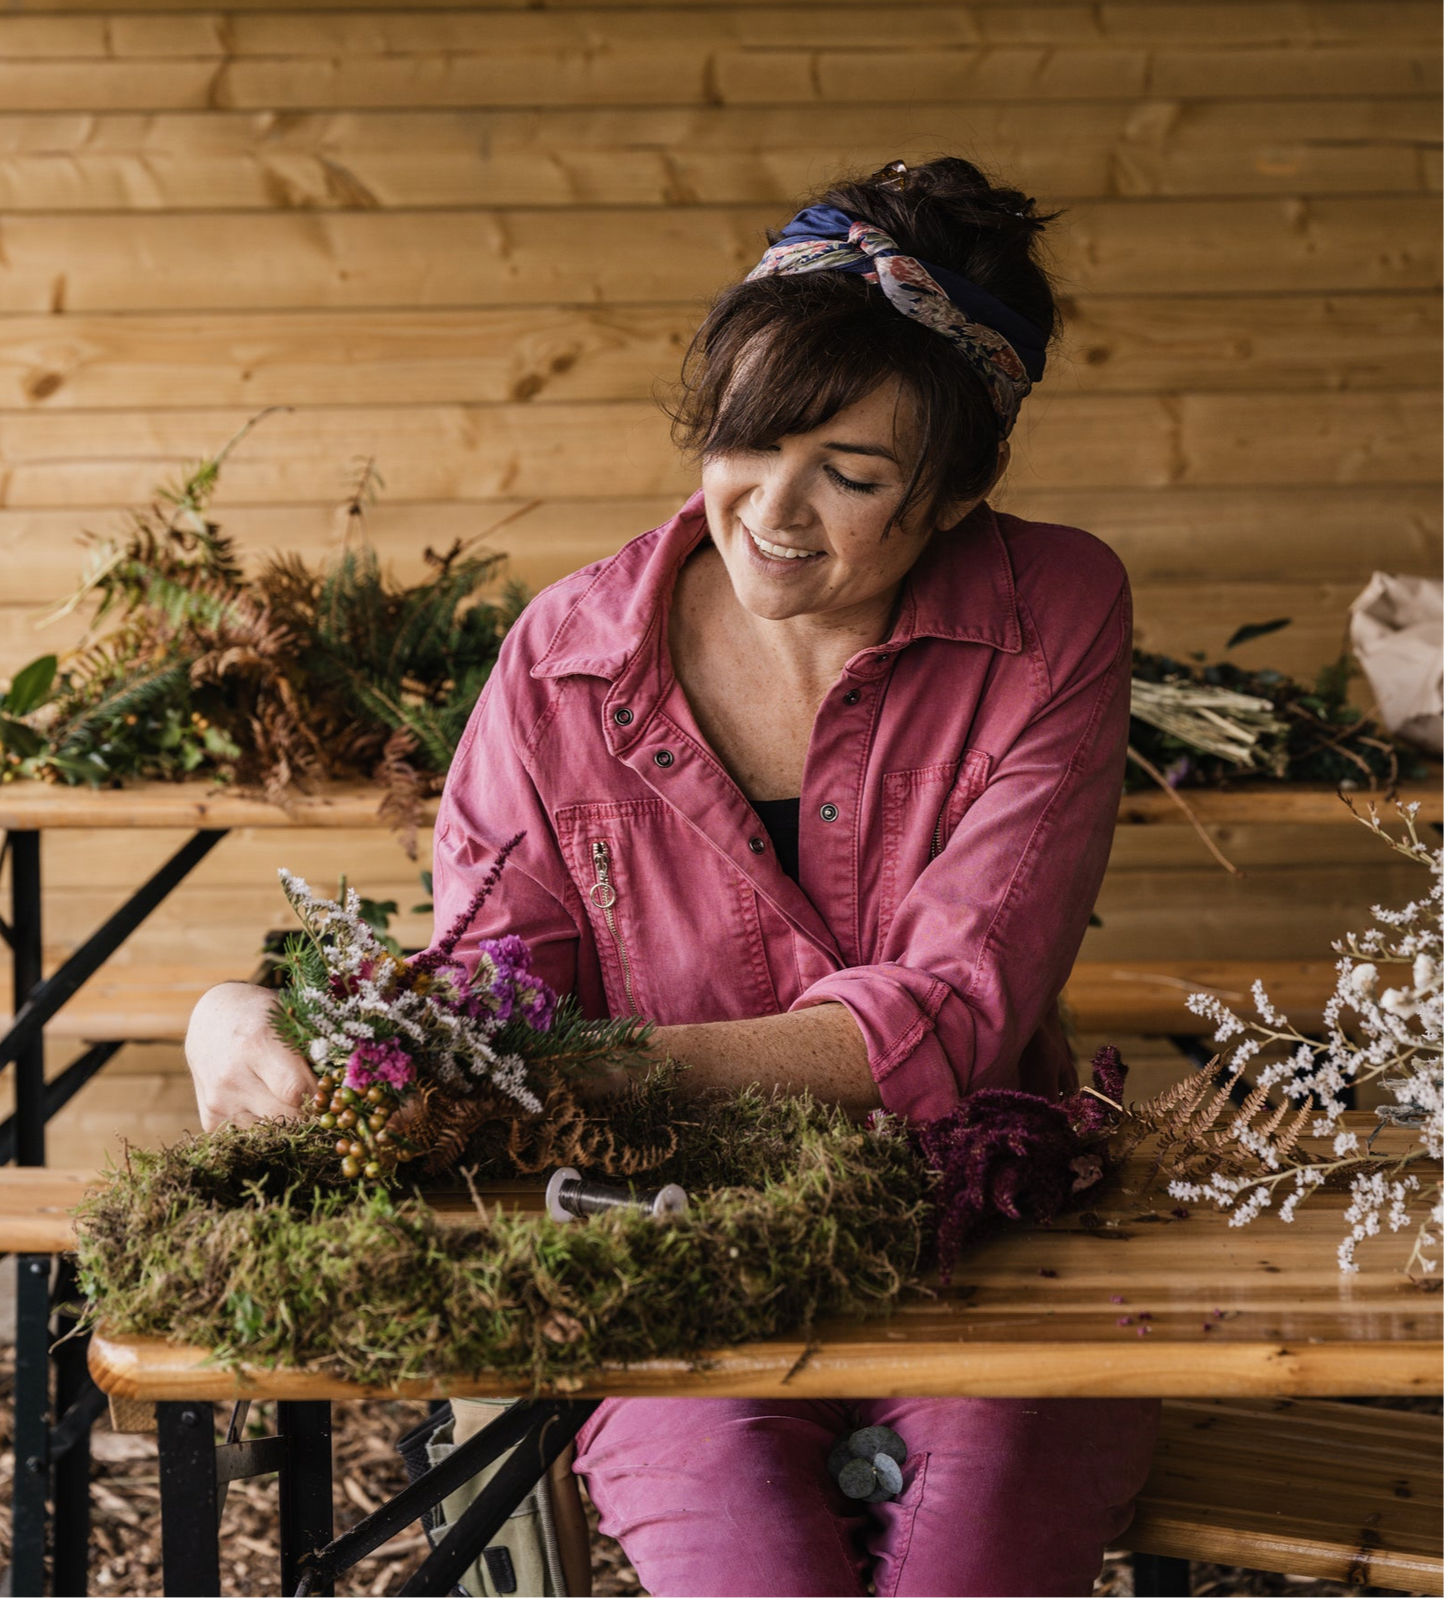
(622, 717)
(852, 697)
(663, 757)
(756, 845)
(829, 812)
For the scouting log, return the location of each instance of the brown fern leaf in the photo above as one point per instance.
(565, 1134)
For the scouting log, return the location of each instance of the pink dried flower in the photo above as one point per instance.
(1116, 1298)
(386, 1063)
(1126, 1320)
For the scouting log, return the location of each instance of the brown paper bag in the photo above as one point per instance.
(1395, 632)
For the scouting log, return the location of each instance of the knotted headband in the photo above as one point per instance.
(1005, 349)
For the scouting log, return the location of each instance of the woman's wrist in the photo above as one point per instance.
(821, 1050)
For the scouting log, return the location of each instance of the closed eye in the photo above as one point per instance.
(848, 484)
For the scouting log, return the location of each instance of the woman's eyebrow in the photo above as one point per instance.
(862, 449)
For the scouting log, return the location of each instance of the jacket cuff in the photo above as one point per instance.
(896, 1010)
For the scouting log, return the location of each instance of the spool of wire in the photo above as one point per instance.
(569, 1198)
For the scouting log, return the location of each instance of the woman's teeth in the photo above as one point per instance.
(781, 551)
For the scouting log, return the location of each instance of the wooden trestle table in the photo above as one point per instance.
(1009, 1328)
(1138, 1296)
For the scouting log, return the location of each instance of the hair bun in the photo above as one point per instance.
(948, 211)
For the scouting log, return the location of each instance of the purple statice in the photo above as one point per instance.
(513, 988)
(385, 1063)
(1006, 1155)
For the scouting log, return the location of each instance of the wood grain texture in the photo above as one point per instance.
(1333, 1491)
(700, 155)
(283, 260)
(36, 1205)
(1112, 344)
(1290, 1324)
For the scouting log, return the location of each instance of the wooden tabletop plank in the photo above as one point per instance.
(35, 1206)
(1273, 803)
(1137, 1302)
(45, 806)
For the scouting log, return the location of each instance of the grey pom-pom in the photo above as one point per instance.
(889, 1475)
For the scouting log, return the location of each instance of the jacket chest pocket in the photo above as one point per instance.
(675, 925)
(922, 808)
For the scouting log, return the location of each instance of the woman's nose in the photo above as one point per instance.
(780, 500)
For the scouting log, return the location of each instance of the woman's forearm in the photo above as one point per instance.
(820, 1049)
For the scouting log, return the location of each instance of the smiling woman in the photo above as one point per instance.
(836, 646)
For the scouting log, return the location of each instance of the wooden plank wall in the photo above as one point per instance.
(470, 241)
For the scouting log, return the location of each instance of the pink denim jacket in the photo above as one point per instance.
(958, 805)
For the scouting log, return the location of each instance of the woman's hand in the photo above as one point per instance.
(242, 1070)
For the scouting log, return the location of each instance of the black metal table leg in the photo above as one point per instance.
(1159, 1576)
(77, 1402)
(26, 945)
(190, 1540)
(31, 1484)
(43, 999)
(305, 1488)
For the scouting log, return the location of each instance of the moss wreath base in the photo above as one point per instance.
(249, 1244)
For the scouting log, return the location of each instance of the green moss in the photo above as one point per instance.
(246, 1242)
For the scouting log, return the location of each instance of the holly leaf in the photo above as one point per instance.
(1257, 629)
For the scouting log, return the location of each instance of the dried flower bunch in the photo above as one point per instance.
(1378, 1029)
(412, 1057)
(1198, 724)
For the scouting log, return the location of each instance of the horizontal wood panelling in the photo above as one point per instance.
(708, 155)
(1163, 535)
(153, 360)
(471, 452)
(282, 33)
(654, 67)
(424, 258)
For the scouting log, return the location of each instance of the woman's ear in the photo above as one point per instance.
(953, 512)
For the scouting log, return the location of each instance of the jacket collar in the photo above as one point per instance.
(961, 589)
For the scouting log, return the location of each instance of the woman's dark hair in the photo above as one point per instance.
(816, 342)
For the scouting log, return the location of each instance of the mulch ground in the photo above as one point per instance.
(125, 1527)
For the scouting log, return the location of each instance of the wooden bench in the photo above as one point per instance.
(1146, 997)
(52, 1443)
(1341, 1492)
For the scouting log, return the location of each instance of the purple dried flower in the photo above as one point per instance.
(1116, 1298)
(431, 958)
(1126, 1320)
(1144, 1331)
(1045, 1271)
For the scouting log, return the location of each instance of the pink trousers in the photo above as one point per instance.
(723, 1496)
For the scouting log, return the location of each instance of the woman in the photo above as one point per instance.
(821, 776)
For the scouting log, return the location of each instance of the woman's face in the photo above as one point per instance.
(800, 524)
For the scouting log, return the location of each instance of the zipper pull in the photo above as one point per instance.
(602, 893)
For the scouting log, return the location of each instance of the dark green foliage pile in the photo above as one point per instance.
(246, 1242)
(1328, 740)
(278, 680)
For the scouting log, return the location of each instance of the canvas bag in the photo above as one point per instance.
(524, 1558)
(1395, 632)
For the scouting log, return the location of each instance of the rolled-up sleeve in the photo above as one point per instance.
(982, 943)
(490, 796)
